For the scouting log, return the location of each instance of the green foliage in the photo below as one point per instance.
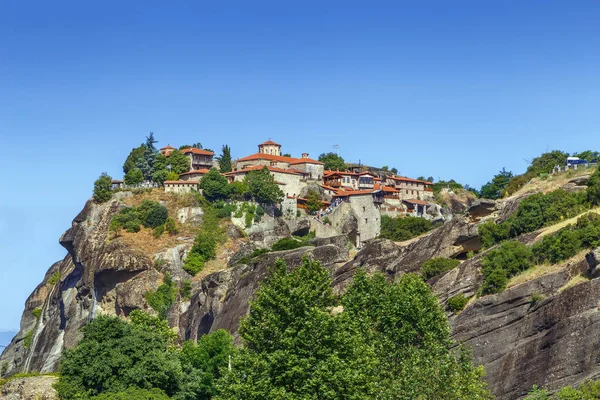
(171, 226)
(134, 158)
(437, 266)
(313, 202)
(225, 159)
(203, 363)
(537, 393)
(593, 191)
(507, 260)
(185, 290)
(287, 244)
(178, 161)
(208, 238)
(587, 391)
(172, 176)
(215, 186)
(103, 188)
(3, 369)
(54, 278)
(496, 187)
(534, 212)
(451, 184)
(395, 172)
(263, 188)
(37, 312)
(536, 297)
(163, 297)
(134, 177)
(160, 176)
(403, 228)
(543, 164)
(158, 231)
(193, 263)
(149, 213)
(28, 339)
(326, 220)
(115, 355)
(333, 162)
(239, 190)
(457, 303)
(134, 393)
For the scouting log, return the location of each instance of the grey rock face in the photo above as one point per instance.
(33, 388)
(593, 259)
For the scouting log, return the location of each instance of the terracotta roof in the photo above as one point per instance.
(354, 192)
(167, 147)
(272, 157)
(390, 189)
(329, 188)
(270, 142)
(190, 182)
(271, 169)
(197, 171)
(416, 201)
(405, 179)
(328, 172)
(194, 150)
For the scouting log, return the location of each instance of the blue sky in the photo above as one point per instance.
(449, 89)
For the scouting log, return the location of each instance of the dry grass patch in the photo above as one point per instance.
(148, 244)
(553, 182)
(574, 281)
(173, 201)
(543, 269)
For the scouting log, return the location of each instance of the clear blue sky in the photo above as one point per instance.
(452, 89)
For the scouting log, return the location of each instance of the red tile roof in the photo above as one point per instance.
(271, 169)
(405, 179)
(195, 172)
(194, 150)
(167, 147)
(270, 142)
(271, 157)
(190, 182)
(343, 193)
(416, 201)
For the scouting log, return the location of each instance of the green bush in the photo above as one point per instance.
(287, 244)
(37, 312)
(132, 226)
(103, 188)
(404, 228)
(133, 393)
(593, 191)
(326, 220)
(152, 214)
(457, 303)
(28, 339)
(507, 260)
(54, 278)
(437, 266)
(134, 177)
(171, 226)
(185, 290)
(163, 297)
(193, 263)
(158, 231)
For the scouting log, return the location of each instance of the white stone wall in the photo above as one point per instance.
(316, 171)
(292, 184)
(180, 187)
(369, 217)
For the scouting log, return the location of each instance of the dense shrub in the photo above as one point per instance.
(163, 297)
(587, 391)
(535, 212)
(193, 263)
(215, 186)
(313, 202)
(149, 213)
(437, 266)
(287, 244)
(207, 240)
(507, 260)
(134, 177)
(158, 231)
(593, 191)
(171, 226)
(185, 289)
(102, 188)
(457, 303)
(403, 228)
(133, 393)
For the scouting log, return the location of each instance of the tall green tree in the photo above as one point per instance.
(332, 161)
(146, 163)
(133, 158)
(294, 347)
(103, 188)
(593, 191)
(215, 186)
(263, 188)
(134, 177)
(496, 187)
(313, 201)
(225, 159)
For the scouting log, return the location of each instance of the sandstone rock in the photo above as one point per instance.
(32, 388)
(190, 215)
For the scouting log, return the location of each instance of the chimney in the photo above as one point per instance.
(304, 155)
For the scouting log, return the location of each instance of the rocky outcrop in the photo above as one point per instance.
(32, 388)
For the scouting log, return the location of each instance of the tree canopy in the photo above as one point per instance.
(103, 188)
(225, 159)
(313, 201)
(215, 186)
(332, 161)
(495, 188)
(134, 176)
(263, 188)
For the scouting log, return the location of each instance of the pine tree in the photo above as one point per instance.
(225, 159)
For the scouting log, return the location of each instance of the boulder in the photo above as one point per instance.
(31, 388)
(593, 259)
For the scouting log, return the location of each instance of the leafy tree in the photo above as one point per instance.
(587, 155)
(394, 170)
(294, 347)
(173, 176)
(437, 266)
(546, 162)
(496, 187)
(225, 159)
(160, 176)
(239, 190)
(411, 337)
(313, 202)
(451, 184)
(133, 158)
(179, 162)
(593, 191)
(133, 393)
(510, 258)
(115, 355)
(152, 214)
(215, 186)
(287, 155)
(263, 188)
(333, 162)
(103, 188)
(163, 297)
(385, 168)
(134, 177)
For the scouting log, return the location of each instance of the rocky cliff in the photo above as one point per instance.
(542, 331)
